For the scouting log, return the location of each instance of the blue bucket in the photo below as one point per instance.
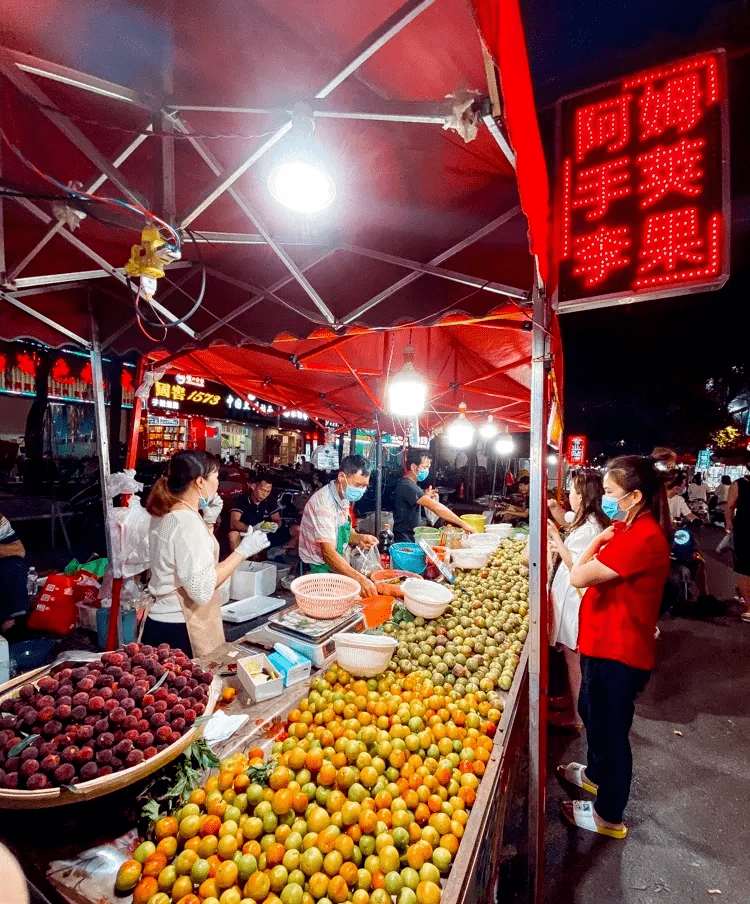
(31, 654)
(407, 557)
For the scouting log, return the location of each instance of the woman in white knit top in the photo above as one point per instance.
(186, 574)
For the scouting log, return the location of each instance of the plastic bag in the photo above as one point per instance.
(123, 482)
(55, 608)
(130, 546)
(95, 567)
(365, 561)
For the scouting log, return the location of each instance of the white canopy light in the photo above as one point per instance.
(300, 180)
(407, 390)
(460, 432)
(488, 430)
(504, 446)
(552, 459)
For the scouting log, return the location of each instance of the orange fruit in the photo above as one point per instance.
(367, 821)
(283, 801)
(314, 760)
(338, 891)
(165, 827)
(208, 889)
(275, 854)
(279, 778)
(257, 886)
(154, 864)
(147, 887)
(428, 893)
(183, 886)
(318, 884)
(349, 872)
(167, 846)
(192, 844)
(228, 694)
(241, 782)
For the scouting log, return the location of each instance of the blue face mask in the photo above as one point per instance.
(203, 503)
(354, 494)
(422, 474)
(611, 506)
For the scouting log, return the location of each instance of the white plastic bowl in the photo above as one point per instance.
(364, 655)
(426, 598)
(483, 542)
(501, 530)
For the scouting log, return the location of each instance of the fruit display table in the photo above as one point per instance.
(72, 853)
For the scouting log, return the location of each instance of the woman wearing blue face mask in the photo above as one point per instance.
(186, 574)
(623, 572)
(409, 497)
(326, 528)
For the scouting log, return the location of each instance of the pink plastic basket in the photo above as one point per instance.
(325, 595)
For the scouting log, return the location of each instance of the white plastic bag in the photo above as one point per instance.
(123, 482)
(365, 561)
(130, 546)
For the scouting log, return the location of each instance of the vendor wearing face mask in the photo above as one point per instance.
(408, 497)
(185, 570)
(326, 528)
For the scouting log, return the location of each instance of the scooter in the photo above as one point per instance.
(684, 562)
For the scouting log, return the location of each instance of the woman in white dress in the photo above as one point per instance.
(186, 575)
(587, 520)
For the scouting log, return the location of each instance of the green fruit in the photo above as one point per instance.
(393, 883)
(128, 875)
(311, 861)
(145, 849)
(199, 871)
(167, 878)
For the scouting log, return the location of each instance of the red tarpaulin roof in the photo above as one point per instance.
(408, 192)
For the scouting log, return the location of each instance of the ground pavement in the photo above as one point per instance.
(689, 810)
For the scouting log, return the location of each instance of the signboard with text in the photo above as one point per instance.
(576, 451)
(188, 395)
(642, 194)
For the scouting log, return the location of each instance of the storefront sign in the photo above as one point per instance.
(704, 460)
(643, 186)
(188, 395)
(576, 452)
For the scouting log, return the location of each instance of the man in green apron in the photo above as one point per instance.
(326, 528)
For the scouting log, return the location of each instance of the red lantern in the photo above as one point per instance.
(61, 372)
(27, 363)
(3, 362)
(86, 374)
(126, 381)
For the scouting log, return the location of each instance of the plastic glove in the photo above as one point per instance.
(252, 543)
(212, 511)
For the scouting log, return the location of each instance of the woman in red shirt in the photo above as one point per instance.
(625, 569)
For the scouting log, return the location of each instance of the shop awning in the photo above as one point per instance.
(425, 225)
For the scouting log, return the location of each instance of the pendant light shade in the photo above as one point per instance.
(407, 390)
(460, 432)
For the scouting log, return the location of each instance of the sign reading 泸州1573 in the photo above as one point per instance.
(642, 191)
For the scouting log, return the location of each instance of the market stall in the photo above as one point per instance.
(426, 181)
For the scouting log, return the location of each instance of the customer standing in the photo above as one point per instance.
(587, 521)
(624, 569)
(185, 571)
(737, 520)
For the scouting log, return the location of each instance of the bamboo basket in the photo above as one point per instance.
(57, 797)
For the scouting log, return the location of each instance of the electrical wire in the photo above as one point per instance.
(167, 325)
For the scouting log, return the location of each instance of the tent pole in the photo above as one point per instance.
(102, 447)
(538, 597)
(378, 481)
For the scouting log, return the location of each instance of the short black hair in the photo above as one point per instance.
(523, 481)
(355, 464)
(415, 456)
(262, 477)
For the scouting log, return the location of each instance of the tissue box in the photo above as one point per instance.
(292, 672)
(271, 687)
(253, 579)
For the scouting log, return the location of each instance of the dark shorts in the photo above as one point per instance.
(741, 540)
(173, 633)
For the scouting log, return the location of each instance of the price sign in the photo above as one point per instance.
(642, 193)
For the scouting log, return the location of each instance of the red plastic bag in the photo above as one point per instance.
(55, 608)
(86, 589)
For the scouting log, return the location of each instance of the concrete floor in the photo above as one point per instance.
(689, 809)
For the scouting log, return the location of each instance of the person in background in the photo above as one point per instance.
(408, 497)
(722, 490)
(14, 573)
(185, 570)
(587, 521)
(255, 508)
(623, 571)
(326, 528)
(678, 508)
(737, 521)
(697, 489)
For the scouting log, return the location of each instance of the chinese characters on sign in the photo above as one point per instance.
(170, 395)
(576, 454)
(642, 199)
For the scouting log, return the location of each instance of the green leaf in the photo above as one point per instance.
(160, 681)
(21, 745)
(151, 810)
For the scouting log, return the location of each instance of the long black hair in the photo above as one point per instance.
(649, 474)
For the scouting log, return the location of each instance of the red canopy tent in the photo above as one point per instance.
(185, 109)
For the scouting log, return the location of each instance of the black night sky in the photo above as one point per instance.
(639, 372)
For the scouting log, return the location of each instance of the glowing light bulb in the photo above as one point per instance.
(504, 446)
(460, 432)
(301, 186)
(407, 390)
(489, 429)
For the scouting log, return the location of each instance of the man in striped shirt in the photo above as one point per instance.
(14, 572)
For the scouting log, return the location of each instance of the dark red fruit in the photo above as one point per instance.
(105, 770)
(118, 716)
(174, 736)
(104, 757)
(29, 767)
(172, 700)
(160, 706)
(148, 700)
(144, 740)
(30, 753)
(206, 678)
(64, 674)
(8, 721)
(177, 711)
(65, 700)
(134, 758)
(48, 685)
(157, 720)
(46, 748)
(86, 684)
(124, 747)
(105, 740)
(199, 709)
(131, 649)
(178, 725)
(120, 694)
(110, 705)
(101, 725)
(137, 659)
(130, 722)
(142, 725)
(80, 699)
(91, 719)
(37, 781)
(106, 693)
(51, 728)
(13, 764)
(148, 711)
(163, 734)
(11, 780)
(70, 753)
(79, 713)
(118, 763)
(66, 690)
(127, 681)
(79, 673)
(27, 692)
(84, 732)
(50, 763)
(89, 771)
(131, 735)
(128, 704)
(45, 700)
(84, 755)
(149, 752)
(96, 704)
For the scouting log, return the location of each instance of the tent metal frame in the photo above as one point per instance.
(18, 67)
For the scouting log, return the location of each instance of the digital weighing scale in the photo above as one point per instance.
(310, 637)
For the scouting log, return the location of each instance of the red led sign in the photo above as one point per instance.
(642, 199)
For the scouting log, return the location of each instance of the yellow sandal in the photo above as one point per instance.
(580, 813)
